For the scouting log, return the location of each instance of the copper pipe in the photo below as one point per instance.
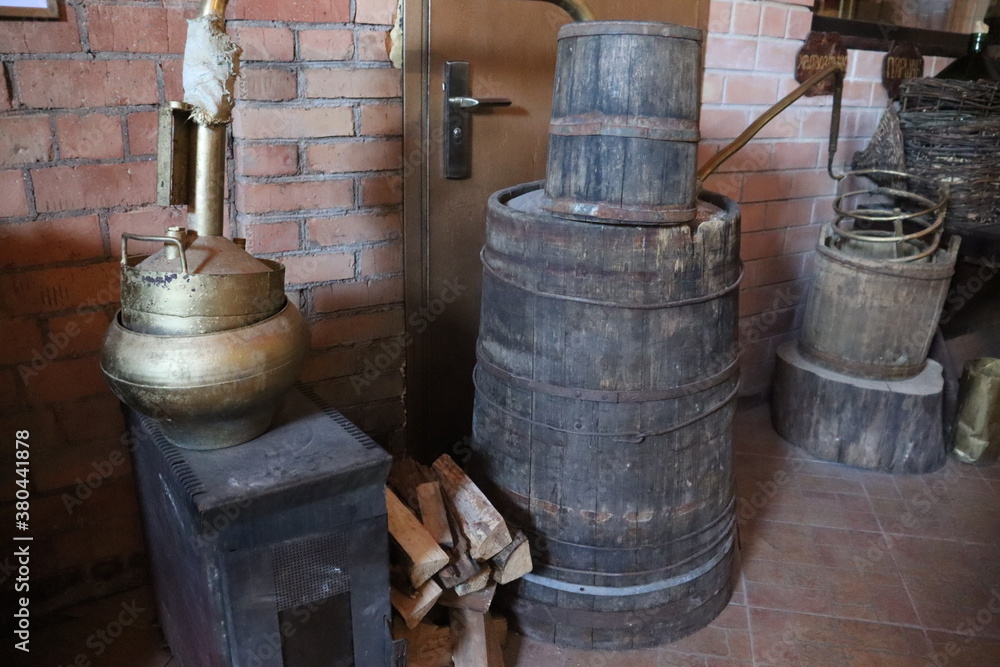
(578, 10)
(836, 71)
(207, 201)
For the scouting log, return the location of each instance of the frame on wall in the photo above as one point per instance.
(36, 9)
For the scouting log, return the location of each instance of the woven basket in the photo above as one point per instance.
(949, 132)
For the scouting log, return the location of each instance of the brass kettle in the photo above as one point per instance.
(206, 342)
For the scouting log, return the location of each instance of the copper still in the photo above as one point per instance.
(206, 341)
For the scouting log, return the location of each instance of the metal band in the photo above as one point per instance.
(599, 396)
(632, 438)
(908, 271)
(656, 128)
(614, 591)
(647, 28)
(614, 304)
(627, 215)
(858, 368)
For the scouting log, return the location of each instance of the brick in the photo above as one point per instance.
(382, 119)
(24, 140)
(752, 89)
(80, 333)
(813, 184)
(46, 84)
(357, 328)
(309, 195)
(354, 83)
(793, 213)
(767, 186)
(59, 36)
(304, 11)
(777, 56)
(381, 261)
(755, 156)
(373, 45)
(13, 198)
(752, 217)
(318, 267)
(136, 29)
(48, 290)
(711, 87)
(94, 186)
(173, 80)
(801, 239)
(143, 130)
(5, 104)
(351, 296)
(795, 154)
(66, 380)
(381, 12)
(756, 300)
(355, 156)
(382, 190)
(22, 338)
(95, 136)
(337, 362)
(720, 14)
(722, 123)
(45, 241)
(730, 185)
(352, 229)
(757, 245)
(799, 23)
(286, 123)
(273, 237)
(271, 44)
(746, 18)
(273, 85)
(151, 221)
(773, 21)
(326, 44)
(267, 160)
(730, 53)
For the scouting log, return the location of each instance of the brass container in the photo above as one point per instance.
(208, 391)
(218, 286)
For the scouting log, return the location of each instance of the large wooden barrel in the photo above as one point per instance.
(872, 318)
(624, 133)
(605, 386)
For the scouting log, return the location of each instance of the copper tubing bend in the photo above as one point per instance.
(578, 10)
(215, 8)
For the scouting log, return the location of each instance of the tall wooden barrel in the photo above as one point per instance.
(872, 318)
(624, 135)
(605, 385)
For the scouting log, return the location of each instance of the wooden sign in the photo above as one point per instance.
(820, 50)
(903, 61)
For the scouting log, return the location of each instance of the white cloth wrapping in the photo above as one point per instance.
(211, 65)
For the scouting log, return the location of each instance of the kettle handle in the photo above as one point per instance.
(169, 240)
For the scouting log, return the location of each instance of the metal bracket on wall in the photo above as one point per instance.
(459, 104)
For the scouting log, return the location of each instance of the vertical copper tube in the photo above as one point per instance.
(205, 212)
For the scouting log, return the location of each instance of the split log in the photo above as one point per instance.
(413, 609)
(478, 601)
(477, 583)
(427, 557)
(496, 637)
(468, 638)
(480, 522)
(514, 561)
(433, 513)
(427, 645)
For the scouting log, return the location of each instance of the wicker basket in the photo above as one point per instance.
(946, 131)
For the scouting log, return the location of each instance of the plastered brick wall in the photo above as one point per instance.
(780, 177)
(315, 183)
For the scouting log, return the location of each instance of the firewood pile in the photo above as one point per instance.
(450, 549)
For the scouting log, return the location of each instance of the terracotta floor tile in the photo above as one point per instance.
(962, 651)
(961, 606)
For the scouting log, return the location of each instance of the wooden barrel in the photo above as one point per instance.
(872, 318)
(624, 136)
(605, 385)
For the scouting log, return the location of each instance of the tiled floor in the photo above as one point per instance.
(840, 568)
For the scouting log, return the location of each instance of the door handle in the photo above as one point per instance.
(459, 103)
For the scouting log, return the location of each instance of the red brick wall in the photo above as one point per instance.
(779, 178)
(315, 183)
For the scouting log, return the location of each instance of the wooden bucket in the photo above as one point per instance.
(605, 386)
(624, 136)
(872, 318)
